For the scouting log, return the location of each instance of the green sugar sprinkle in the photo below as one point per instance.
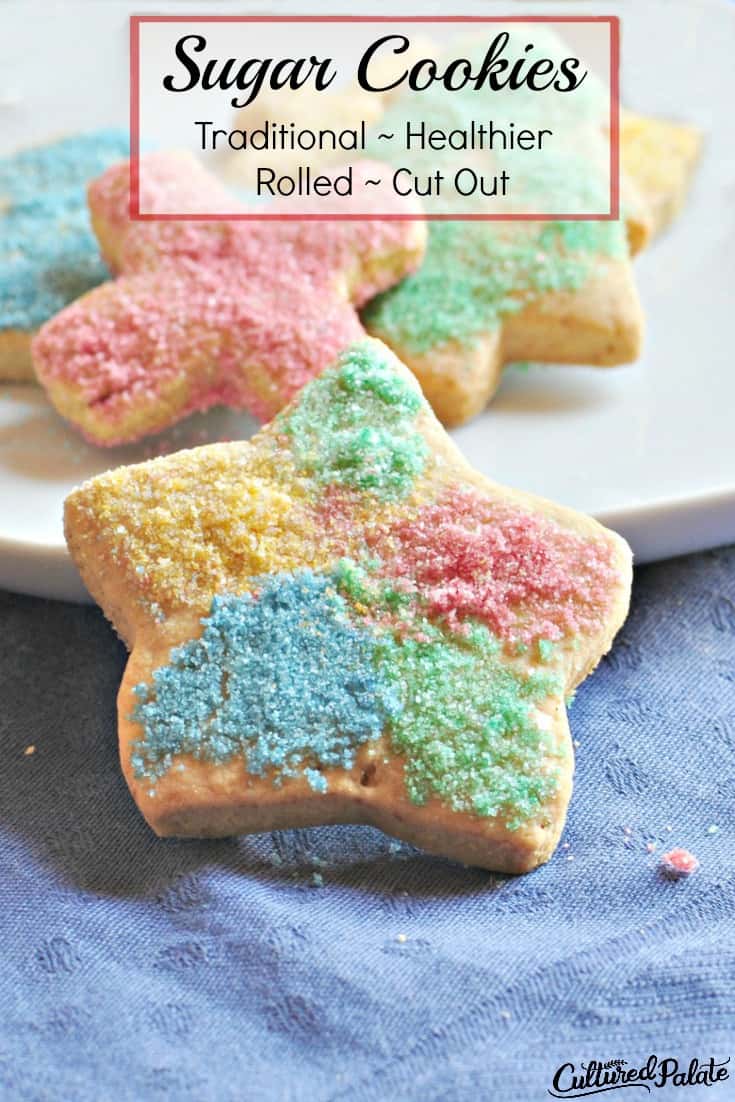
(359, 584)
(354, 426)
(294, 680)
(465, 725)
(464, 721)
(475, 274)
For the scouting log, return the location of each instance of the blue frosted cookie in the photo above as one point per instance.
(48, 253)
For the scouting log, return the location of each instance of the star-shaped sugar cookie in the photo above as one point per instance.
(557, 291)
(341, 621)
(48, 253)
(213, 313)
(489, 294)
(485, 296)
(658, 156)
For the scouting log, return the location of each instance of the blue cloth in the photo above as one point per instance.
(330, 964)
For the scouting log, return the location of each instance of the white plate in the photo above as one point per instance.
(650, 448)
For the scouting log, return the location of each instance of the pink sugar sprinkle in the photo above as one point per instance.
(679, 862)
(335, 516)
(524, 576)
(206, 313)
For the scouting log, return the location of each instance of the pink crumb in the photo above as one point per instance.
(679, 862)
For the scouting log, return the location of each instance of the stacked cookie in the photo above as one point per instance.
(483, 295)
(48, 253)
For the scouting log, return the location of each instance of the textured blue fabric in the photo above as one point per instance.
(272, 967)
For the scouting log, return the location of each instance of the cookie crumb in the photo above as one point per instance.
(29, 750)
(403, 938)
(679, 862)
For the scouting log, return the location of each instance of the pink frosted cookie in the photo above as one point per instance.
(341, 621)
(209, 313)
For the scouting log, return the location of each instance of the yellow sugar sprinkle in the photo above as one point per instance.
(202, 522)
(187, 526)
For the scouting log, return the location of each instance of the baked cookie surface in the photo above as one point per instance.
(342, 621)
(48, 252)
(659, 156)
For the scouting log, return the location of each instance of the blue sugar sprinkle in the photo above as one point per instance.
(48, 253)
(316, 780)
(283, 680)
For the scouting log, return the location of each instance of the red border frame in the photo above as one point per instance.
(613, 22)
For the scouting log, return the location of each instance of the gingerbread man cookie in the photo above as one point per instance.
(48, 253)
(341, 621)
(207, 313)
